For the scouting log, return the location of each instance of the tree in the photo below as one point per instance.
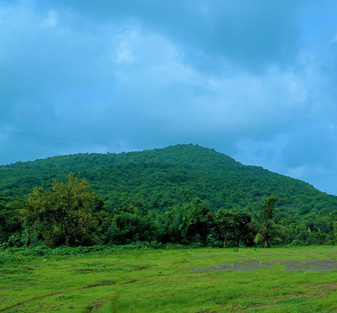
(200, 221)
(232, 227)
(63, 216)
(131, 224)
(335, 232)
(175, 225)
(10, 222)
(242, 221)
(189, 222)
(265, 224)
(224, 221)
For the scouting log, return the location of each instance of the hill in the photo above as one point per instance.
(156, 179)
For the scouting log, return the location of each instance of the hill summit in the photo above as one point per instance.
(155, 179)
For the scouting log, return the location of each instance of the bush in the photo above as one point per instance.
(297, 243)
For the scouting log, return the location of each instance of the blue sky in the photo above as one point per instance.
(253, 79)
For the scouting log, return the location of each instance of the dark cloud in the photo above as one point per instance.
(253, 34)
(252, 79)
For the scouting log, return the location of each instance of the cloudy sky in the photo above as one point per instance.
(256, 80)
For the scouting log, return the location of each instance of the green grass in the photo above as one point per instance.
(302, 279)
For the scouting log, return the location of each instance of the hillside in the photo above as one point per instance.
(156, 178)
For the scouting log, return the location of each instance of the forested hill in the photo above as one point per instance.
(179, 154)
(156, 179)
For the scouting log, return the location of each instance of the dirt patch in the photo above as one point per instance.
(84, 270)
(329, 285)
(291, 296)
(183, 261)
(242, 308)
(94, 306)
(322, 252)
(319, 289)
(312, 265)
(103, 283)
(251, 265)
(140, 267)
(262, 306)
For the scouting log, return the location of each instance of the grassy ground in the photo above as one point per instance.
(193, 280)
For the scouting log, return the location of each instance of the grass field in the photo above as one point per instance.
(189, 280)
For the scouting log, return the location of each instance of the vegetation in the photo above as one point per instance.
(156, 178)
(118, 234)
(301, 279)
(265, 223)
(61, 216)
(178, 195)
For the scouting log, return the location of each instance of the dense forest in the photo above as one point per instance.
(182, 194)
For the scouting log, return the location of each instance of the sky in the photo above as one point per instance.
(255, 80)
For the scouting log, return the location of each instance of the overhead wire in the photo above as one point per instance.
(69, 139)
(139, 149)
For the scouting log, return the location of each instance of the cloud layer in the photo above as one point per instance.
(255, 80)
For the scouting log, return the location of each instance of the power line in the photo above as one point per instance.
(138, 149)
(69, 139)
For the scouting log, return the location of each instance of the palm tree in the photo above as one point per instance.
(265, 223)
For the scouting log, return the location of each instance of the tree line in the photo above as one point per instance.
(69, 214)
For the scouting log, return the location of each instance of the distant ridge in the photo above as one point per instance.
(178, 154)
(155, 178)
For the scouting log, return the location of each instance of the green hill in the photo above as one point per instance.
(156, 179)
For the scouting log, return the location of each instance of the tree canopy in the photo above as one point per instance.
(266, 224)
(62, 216)
(182, 194)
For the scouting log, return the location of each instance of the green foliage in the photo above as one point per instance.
(156, 178)
(232, 228)
(183, 194)
(335, 232)
(62, 216)
(132, 224)
(189, 222)
(266, 223)
(11, 222)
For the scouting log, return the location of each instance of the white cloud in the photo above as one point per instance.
(124, 54)
(50, 20)
(128, 41)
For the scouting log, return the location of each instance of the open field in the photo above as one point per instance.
(300, 279)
